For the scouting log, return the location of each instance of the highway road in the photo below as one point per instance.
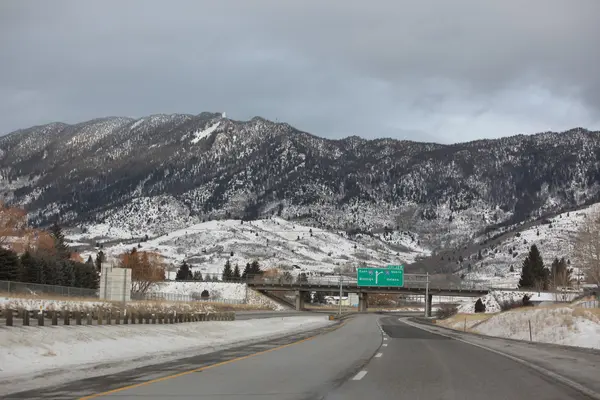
(368, 357)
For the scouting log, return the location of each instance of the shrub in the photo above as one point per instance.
(205, 294)
(446, 311)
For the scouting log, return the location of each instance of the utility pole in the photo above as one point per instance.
(427, 296)
(340, 300)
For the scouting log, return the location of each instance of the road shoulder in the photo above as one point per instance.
(575, 367)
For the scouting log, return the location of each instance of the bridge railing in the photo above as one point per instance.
(416, 281)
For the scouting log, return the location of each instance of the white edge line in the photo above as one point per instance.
(378, 355)
(553, 375)
(359, 376)
(384, 345)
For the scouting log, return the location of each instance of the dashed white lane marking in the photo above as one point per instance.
(384, 338)
(378, 355)
(384, 345)
(359, 376)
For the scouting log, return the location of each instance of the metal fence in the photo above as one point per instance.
(36, 289)
(590, 304)
(158, 296)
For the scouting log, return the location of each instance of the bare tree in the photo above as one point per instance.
(13, 222)
(147, 269)
(587, 247)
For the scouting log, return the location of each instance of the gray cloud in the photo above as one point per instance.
(427, 70)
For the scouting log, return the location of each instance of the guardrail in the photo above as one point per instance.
(97, 318)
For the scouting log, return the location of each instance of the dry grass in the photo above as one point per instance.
(458, 321)
(22, 301)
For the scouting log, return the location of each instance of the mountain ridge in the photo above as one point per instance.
(207, 166)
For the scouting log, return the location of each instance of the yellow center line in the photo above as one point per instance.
(164, 378)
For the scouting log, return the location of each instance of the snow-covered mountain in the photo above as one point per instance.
(164, 173)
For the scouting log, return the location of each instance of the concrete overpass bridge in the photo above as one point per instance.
(349, 285)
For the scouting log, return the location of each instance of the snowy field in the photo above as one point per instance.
(554, 237)
(559, 325)
(273, 242)
(76, 352)
(493, 300)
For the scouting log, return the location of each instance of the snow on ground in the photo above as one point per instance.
(199, 135)
(33, 304)
(559, 325)
(218, 291)
(29, 351)
(554, 237)
(493, 300)
(273, 242)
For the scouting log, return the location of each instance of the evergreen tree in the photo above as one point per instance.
(53, 271)
(246, 271)
(90, 261)
(511, 269)
(99, 260)
(534, 275)
(68, 273)
(479, 306)
(236, 273)
(255, 269)
(60, 245)
(227, 272)
(302, 278)
(184, 273)
(204, 295)
(318, 298)
(32, 269)
(198, 276)
(479, 256)
(10, 265)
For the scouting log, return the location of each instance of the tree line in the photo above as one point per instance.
(47, 262)
(229, 274)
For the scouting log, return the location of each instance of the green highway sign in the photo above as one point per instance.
(380, 277)
(396, 267)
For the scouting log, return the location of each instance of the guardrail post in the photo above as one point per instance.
(109, 318)
(100, 315)
(40, 318)
(25, 317)
(54, 317)
(140, 318)
(89, 319)
(77, 316)
(8, 314)
(118, 318)
(147, 318)
(125, 317)
(133, 318)
(160, 318)
(153, 318)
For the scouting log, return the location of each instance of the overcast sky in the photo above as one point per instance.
(445, 71)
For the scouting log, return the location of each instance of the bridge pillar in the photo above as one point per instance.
(428, 302)
(299, 300)
(363, 302)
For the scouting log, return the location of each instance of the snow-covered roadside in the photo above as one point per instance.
(566, 325)
(559, 325)
(75, 352)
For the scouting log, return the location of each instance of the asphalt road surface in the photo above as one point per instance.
(368, 357)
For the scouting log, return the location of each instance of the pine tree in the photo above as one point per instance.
(60, 245)
(560, 275)
(318, 298)
(246, 271)
(197, 275)
(32, 269)
(302, 278)
(255, 269)
(68, 272)
(90, 261)
(534, 275)
(227, 272)
(99, 260)
(184, 273)
(479, 306)
(479, 256)
(10, 265)
(236, 273)
(511, 269)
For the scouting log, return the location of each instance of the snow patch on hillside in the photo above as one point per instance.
(199, 135)
(554, 237)
(274, 242)
(493, 299)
